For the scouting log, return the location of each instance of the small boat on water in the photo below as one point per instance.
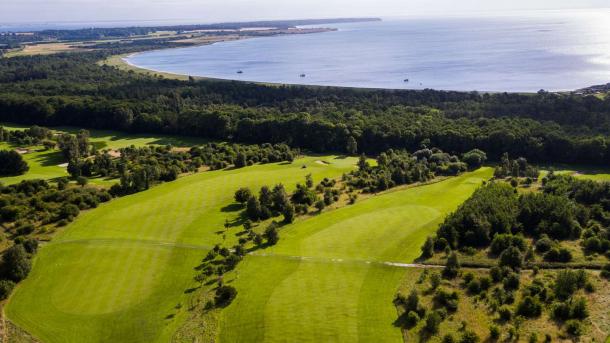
(303, 75)
(406, 80)
(240, 72)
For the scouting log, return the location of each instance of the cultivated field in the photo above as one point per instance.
(327, 280)
(124, 272)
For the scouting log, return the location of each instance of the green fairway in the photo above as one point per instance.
(44, 164)
(329, 278)
(120, 273)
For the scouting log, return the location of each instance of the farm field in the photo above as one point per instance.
(329, 277)
(124, 272)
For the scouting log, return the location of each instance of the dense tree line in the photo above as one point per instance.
(73, 89)
(499, 218)
(395, 168)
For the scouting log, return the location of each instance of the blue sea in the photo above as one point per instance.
(519, 52)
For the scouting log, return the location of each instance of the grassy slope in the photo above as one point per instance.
(118, 272)
(326, 280)
(45, 164)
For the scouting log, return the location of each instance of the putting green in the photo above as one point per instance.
(330, 278)
(122, 272)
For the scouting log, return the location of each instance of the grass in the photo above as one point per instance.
(124, 272)
(44, 164)
(327, 279)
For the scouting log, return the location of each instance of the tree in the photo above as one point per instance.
(272, 235)
(11, 163)
(242, 195)
(225, 295)
(511, 257)
(474, 158)
(469, 337)
(240, 160)
(412, 301)
(427, 250)
(253, 209)
(352, 145)
(452, 266)
(363, 165)
(16, 264)
(6, 287)
(288, 213)
(308, 181)
(320, 205)
(529, 307)
(82, 181)
(433, 320)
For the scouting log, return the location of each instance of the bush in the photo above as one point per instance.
(574, 328)
(544, 244)
(469, 337)
(225, 295)
(505, 313)
(474, 287)
(511, 257)
(412, 319)
(448, 338)
(6, 287)
(511, 281)
(494, 332)
(16, 264)
(242, 195)
(452, 266)
(433, 320)
(529, 307)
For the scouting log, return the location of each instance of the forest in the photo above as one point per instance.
(72, 89)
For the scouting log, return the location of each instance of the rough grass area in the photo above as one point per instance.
(124, 272)
(477, 316)
(330, 278)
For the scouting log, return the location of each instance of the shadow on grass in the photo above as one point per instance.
(232, 208)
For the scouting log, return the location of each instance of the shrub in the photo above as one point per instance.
(511, 257)
(574, 328)
(511, 281)
(242, 195)
(6, 287)
(474, 287)
(433, 320)
(446, 299)
(452, 266)
(469, 337)
(412, 319)
(427, 250)
(435, 280)
(225, 295)
(544, 244)
(529, 307)
(448, 338)
(494, 332)
(505, 313)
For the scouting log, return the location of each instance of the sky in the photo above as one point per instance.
(206, 11)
